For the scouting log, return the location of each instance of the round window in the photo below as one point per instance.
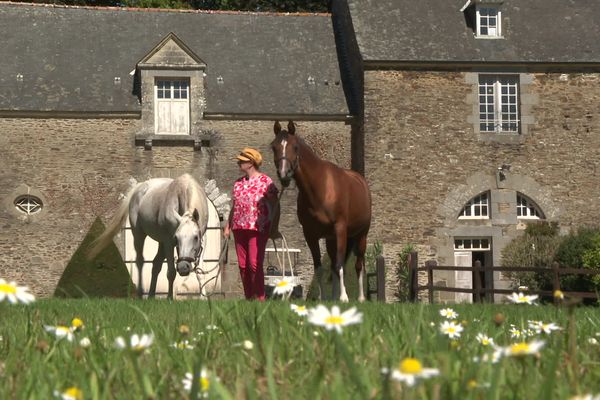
(28, 204)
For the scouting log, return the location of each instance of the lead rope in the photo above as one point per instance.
(284, 250)
(218, 267)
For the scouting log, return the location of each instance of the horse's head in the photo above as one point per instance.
(188, 237)
(285, 152)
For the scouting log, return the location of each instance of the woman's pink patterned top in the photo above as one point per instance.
(250, 209)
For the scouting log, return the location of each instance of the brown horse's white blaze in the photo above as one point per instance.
(333, 203)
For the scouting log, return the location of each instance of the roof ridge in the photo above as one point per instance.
(167, 10)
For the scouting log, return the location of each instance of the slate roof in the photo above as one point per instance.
(67, 58)
(535, 31)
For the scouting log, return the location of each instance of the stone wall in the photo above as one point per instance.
(80, 167)
(424, 160)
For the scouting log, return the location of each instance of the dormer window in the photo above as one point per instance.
(488, 21)
(484, 18)
(172, 95)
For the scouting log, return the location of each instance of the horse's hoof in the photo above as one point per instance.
(344, 299)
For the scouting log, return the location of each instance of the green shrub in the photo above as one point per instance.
(577, 250)
(402, 273)
(536, 248)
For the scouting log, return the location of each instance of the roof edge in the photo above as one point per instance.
(580, 66)
(164, 10)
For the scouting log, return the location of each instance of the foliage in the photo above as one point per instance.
(104, 276)
(591, 259)
(572, 254)
(373, 251)
(242, 5)
(403, 274)
(536, 248)
(287, 359)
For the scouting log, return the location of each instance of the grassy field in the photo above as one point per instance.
(258, 351)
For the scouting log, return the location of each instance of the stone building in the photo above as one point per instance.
(469, 118)
(92, 97)
(478, 118)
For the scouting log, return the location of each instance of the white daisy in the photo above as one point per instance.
(541, 327)
(283, 287)
(85, 342)
(523, 348)
(451, 329)
(520, 298)
(448, 313)
(203, 383)
(409, 371)
(493, 357)
(182, 345)
(515, 332)
(321, 316)
(60, 332)
(72, 393)
(484, 339)
(300, 310)
(14, 294)
(77, 324)
(136, 343)
(588, 396)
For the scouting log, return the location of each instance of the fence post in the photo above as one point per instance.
(555, 281)
(380, 278)
(412, 277)
(430, 264)
(477, 281)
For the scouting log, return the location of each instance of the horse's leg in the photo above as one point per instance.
(138, 244)
(361, 248)
(340, 258)
(171, 271)
(199, 271)
(156, 267)
(315, 251)
(335, 281)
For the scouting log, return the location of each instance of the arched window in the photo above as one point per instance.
(476, 208)
(28, 204)
(526, 208)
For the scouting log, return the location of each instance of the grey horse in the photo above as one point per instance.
(174, 212)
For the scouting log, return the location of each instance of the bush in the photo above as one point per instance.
(402, 273)
(536, 248)
(578, 250)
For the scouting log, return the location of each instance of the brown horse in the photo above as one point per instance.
(333, 203)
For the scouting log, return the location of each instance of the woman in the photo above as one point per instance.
(250, 220)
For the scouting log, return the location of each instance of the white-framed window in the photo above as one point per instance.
(482, 244)
(499, 103)
(527, 209)
(28, 204)
(488, 22)
(172, 106)
(476, 208)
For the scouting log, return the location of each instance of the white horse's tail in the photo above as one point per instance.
(115, 225)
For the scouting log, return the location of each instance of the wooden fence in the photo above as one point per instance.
(478, 291)
(379, 277)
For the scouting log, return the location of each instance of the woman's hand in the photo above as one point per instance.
(226, 232)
